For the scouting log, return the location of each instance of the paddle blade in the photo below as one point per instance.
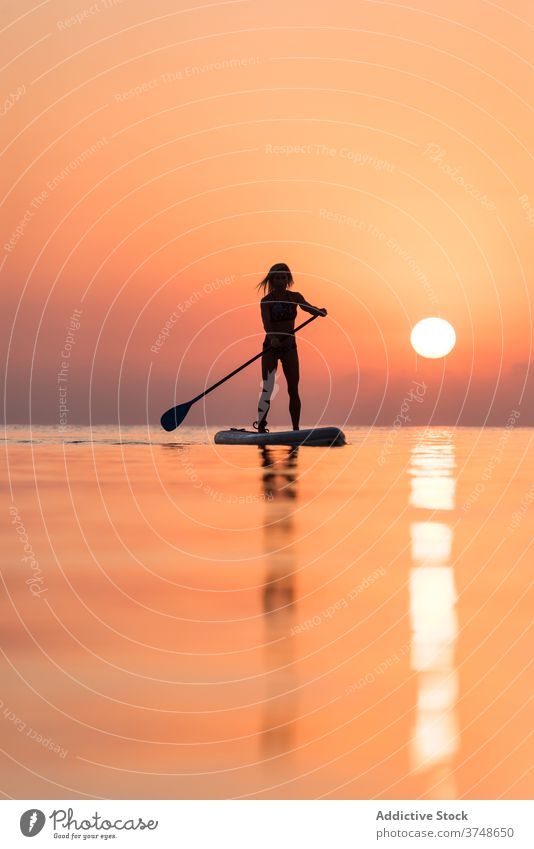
(175, 416)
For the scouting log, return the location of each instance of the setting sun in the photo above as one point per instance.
(433, 338)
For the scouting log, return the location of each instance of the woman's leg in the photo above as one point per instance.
(269, 362)
(290, 365)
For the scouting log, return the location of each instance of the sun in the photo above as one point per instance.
(433, 338)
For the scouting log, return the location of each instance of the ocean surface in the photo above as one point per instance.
(185, 620)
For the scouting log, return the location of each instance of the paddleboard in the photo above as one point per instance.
(314, 436)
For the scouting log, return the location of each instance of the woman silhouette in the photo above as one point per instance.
(278, 313)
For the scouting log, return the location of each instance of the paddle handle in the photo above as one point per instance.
(248, 362)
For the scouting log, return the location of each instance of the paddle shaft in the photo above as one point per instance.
(248, 362)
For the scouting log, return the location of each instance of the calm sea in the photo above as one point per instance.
(185, 620)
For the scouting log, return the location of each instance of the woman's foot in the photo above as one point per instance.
(261, 427)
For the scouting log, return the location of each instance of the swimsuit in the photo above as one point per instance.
(282, 311)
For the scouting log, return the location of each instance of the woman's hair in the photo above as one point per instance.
(267, 283)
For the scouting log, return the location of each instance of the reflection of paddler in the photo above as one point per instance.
(279, 480)
(279, 487)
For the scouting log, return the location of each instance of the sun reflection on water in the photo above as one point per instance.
(433, 614)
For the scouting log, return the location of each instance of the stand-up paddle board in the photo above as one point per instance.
(314, 436)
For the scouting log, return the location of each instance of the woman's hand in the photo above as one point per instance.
(323, 312)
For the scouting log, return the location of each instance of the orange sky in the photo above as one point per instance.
(383, 150)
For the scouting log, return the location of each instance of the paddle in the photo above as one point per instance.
(175, 416)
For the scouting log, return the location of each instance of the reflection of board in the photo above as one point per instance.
(315, 436)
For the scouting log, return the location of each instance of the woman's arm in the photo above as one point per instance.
(304, 305)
